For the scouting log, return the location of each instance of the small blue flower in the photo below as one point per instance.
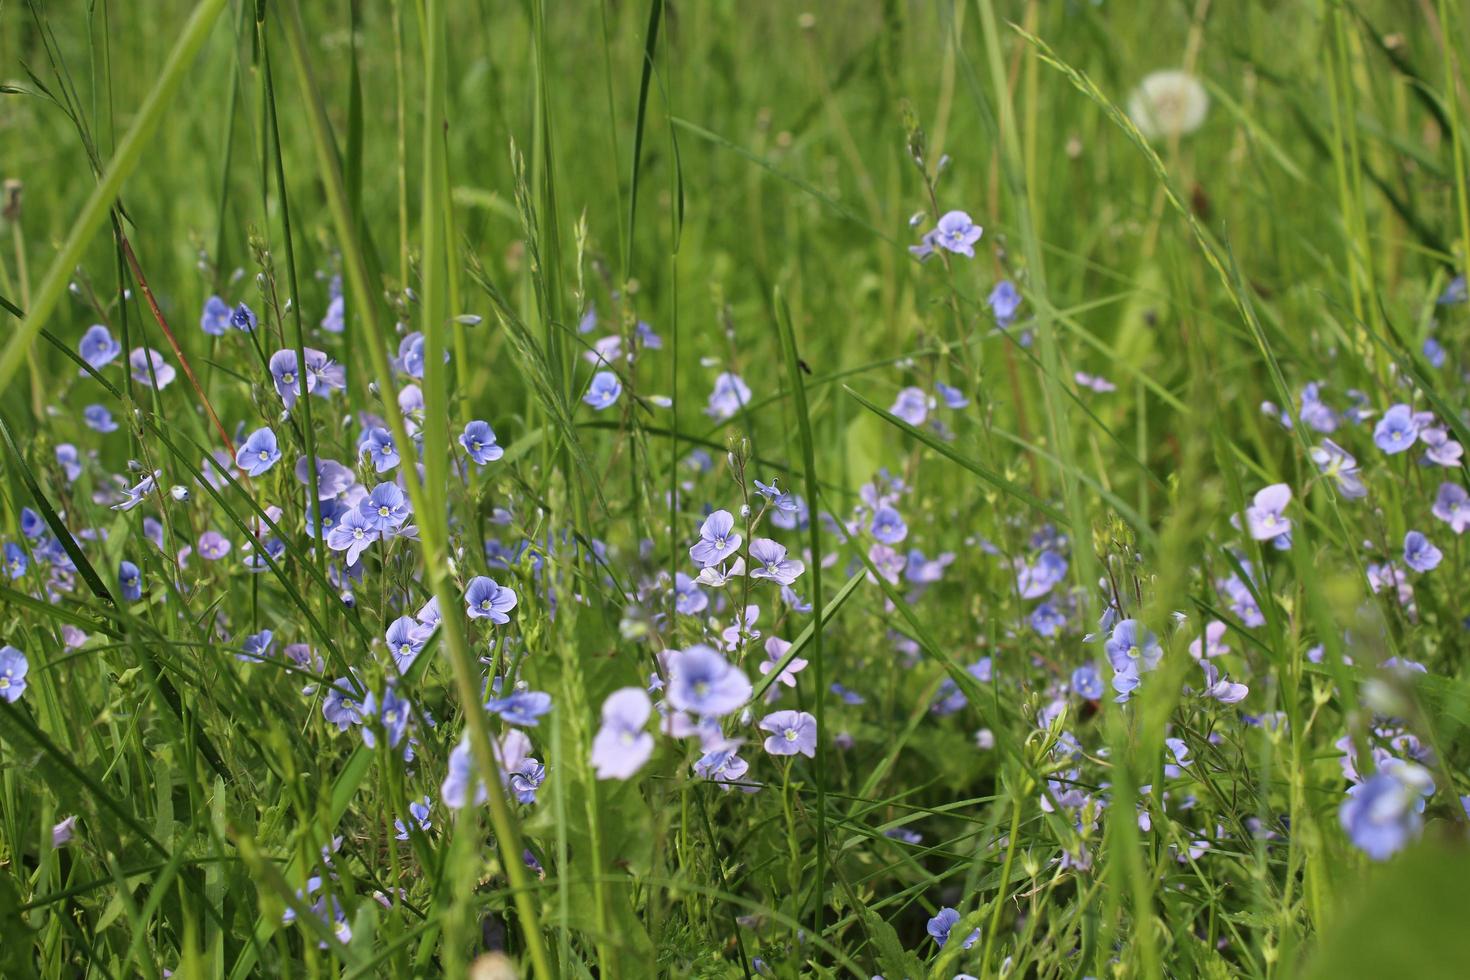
(215, 319)
(386, 507)
(13, 667)
(1397, 430)
(944, 920)
(479, 441)
(391, 715)
(256, 647)
(378, 444)
(1419, 554)
(604, 390)
(341, 707)
(1087, 682)
(353, 533)
(259, 453)
(16, 561)
(1004, 301)
(956, 233)
(98, 418)
(487, 599)
(243, 318)
(130, 581)
(521, 708)
(98, 348)
(888, 526)
(1383, 814)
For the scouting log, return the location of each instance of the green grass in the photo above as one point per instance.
(740, 177)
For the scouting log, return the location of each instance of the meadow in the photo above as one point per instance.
(700, 488)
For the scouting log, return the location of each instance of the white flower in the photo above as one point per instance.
(1168, 103)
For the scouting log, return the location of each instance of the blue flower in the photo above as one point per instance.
(1087, 682)
(287, 376)
(259, 453)
(353, 533)
(1452, 505)
(953, 397)
(730, 396)
(418, 812)
(1455, 292)
(391, 715)
(256, 647)
(704, 683)
(243, 318)
(1036, 580)
(1434, 352)
(521, 708)
(479, 441)
(774, 564)
(386, 507)
(1266, 516)
(215, 319)
(888, 526)
(621, 745)
(16, 561)
(98, 348)
(689, 598)
(1397, 430)
(406, 637)
(130, 581)
(378, 444)
(956, 233)
(1004, 301)
(912, 405)
(1339, 465)
(147, 365)
(13, 667)
(71, 464)
(487, 599)
(945, 920)
(98, 418)
(1419, 554)
(341, 706)
(1047, 620)
(336, 318)
(717, 540)
(1383, 814)
(604, 390)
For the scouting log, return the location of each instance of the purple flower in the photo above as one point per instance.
(478, 440)
(944, 920)
(1035, 581)
(1397, 430)
(418, 810)
(1132, 650)
(776, 648)
(243, 318)
(1314, 413)
(689, 598)
(1095, 382)
(1339, 465)
(378, 444)
(925, 248)
(406, 637)
(256, 647)
(774, 564)
(16, 560)
(130, 581)
(621, 746)
(1442, 451)
(888, 526)
(332, 478)
(1221, 688)
(71, 464)
(486, 599)
(957, 233)
(324, 375)
(98, 418)
(132, 496)
(259, 453)
(604, 390)
(704, 683)
(1087, 682)
(98, 348)
(13, 667)
(392, 716)
(1214, 641)
(386, 507)
(215, 319)
(717, 540)
(1419, 554)
(341, 707)
(1452, 505)
(953, 397)
(521, 708)
(287, 376)
(352, 534)
(1004, 301)
(1265, 517)
(1383, 814)
(141, 359)
(912, 405)
(1454, 292)
(63, 832)
(790, 732)
(335, 320)
(455, 791)
(729, 396)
